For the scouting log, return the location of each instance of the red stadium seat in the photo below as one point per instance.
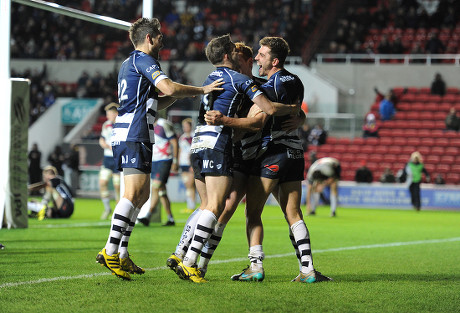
(452, 178)
(448, 159)
(432, 159)
(452, 90)
(429, 142)
(331, 140)
(452, 151)
(424, 150)
(439, 116)
(367, 149)
(339, 148)
(415, 141)
(426, 115)
(410, 133)
(438, 151)
(442, 168)
(358, 140)
(443, 142)
(371, 141)
(381, 149)
(347, 157)
(450, 98)
(344, 141)
(395, 150)
(430, 106)
(454, 142)
(400, 140)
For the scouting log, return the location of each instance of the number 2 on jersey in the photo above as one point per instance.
(121, 90)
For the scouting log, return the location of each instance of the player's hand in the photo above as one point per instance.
(213, 86)
(174, 167)
(213, 117)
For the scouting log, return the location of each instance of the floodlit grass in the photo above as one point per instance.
(381, 261)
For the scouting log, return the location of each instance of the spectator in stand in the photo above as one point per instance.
(35, 171)
(414, 170)
(439, 180)
(386, 108)
(397, 46)
(363, 174)
(387, 176)
(56, 159)
(384, 46)
(393, 96)
(71, 167)
(317, 135)
(370, 127)
(452, 120)
(438, 86)
(434, 45)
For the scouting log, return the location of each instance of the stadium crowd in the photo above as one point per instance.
(187, 27)
(395, 27)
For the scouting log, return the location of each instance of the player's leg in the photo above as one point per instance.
(217, 190)
(189, 183)
(126, 262)
(164, 199)
(116, 185)
(258, 190)
(238, 191)
(289, 197)
(104, 177)
(334, 197)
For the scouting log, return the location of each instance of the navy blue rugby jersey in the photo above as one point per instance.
(283, 87)
(227, 101)
(250, 142)
(137, 79)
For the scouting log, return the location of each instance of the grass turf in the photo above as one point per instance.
(381, 261)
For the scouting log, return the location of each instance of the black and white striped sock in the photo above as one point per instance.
(120, 223)
(296, 248)
(211, 245)
(302, 238)
(204, 228)
(123, 249)
(187, 234)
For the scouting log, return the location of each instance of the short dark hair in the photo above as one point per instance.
(218, 47)
(143, 26)
(279, 48)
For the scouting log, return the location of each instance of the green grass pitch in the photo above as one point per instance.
(380, 260)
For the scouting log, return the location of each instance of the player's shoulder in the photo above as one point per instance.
(145, 62)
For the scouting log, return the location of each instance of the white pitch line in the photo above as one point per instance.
(383, 245)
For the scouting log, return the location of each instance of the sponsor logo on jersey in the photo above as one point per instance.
(151, 68)
(133, 160)
(155, 74)
(216, 73)
(286, 78)
(274, 168)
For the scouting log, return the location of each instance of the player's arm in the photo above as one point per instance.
(165, 101)
(36, 186)
(253, 123)
(103, 143)
(275, 108)
(175, 146)
(173, 89)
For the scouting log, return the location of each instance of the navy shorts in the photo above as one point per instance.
(185, 168)
(243, 166)
(109, 163)
(161, 170)
(280, 162)
(209, 162)
(129, 154)
(64, 211)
